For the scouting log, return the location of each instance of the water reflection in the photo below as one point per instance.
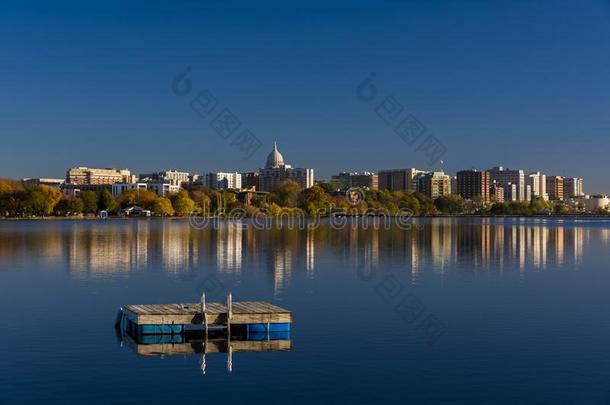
(439, 246)
(186, 345)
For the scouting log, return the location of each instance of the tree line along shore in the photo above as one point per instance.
(20, 201)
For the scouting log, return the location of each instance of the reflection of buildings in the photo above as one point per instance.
(282, 269)
(177, 252)
(229, 247)
(107, 250)
(437, 246)
(310, 252)
(491, 246)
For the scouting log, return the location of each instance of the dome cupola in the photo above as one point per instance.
(274, 159)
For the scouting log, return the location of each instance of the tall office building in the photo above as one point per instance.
(473, 184)
(510, 192)
(537, 182)
(434, 184)
(554, 188)
(573, 187)
(89, 176)
(276, 172)
(363, 180)
(503, 176)
(399, 179)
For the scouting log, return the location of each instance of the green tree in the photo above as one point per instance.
(312, 200)
(163, 207)
(69, 206)
(34, 201)
(392, 208)
(450, 204)
(287, 194)
(182, 203)
(77, 206)
(413, 202)
(539, 206)
(108, 202)
(274, 210)
(562, 209)
(89, 199)
(229, 200)
(201, 199)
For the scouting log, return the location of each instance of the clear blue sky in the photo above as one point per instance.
(515, 83)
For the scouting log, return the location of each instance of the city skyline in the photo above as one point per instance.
(98, 89)
(202, 173)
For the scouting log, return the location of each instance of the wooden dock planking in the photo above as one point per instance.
(244, 312)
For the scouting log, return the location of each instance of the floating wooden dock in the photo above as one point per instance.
(252, 316)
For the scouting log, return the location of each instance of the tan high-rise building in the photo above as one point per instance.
(399, 179)
(554, 188)
(473, 184)
(434, 184)
(497, 193)
(89, 176)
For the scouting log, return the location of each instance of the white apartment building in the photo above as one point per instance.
(537, 181)
(223, 180)
(163, 189)
(172, 177)
(119, 188)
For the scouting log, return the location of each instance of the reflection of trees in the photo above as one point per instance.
(435, 246)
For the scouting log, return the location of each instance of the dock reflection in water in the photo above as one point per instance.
(200, 344)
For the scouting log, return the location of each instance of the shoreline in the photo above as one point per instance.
(186, 218)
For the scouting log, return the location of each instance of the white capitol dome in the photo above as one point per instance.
(274, 159)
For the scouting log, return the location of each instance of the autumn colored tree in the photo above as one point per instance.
(163, 206)
(312, 200)
(69, 206)
(287, 194)
(141, 198)
(201, 199)
(182, 203)
(89, 199)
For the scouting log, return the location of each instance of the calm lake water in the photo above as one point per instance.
(450, 311)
